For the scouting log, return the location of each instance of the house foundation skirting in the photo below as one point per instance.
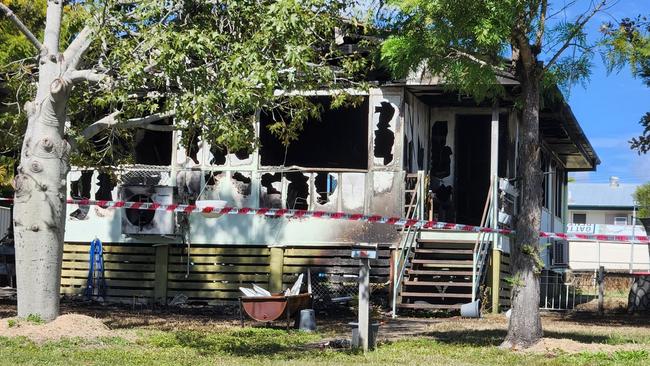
(210, 274)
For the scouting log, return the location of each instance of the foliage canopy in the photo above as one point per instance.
(642, 197)
(212, 64)
(628, 43)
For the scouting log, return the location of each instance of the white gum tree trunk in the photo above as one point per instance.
(39, 213)
(40, 184)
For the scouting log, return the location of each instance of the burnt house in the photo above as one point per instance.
(409, 149)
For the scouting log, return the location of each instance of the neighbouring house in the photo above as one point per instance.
(410, 149)
(608, 209)
(602, 203)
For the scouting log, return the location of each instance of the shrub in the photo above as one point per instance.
(642, 197)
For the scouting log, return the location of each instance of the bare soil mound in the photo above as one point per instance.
(616, 305)
(556, 345)
(65, 326)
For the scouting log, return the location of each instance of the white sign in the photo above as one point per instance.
(581, 228)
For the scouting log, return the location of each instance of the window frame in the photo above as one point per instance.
(573, 218)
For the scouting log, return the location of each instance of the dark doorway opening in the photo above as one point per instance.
(472, 178)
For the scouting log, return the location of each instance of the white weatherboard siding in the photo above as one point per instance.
(614, 256)
(601, 217)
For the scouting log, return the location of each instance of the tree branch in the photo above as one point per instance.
(78, 47)
(23, 29)
(78, 76)
(101, 125)
(542, 24)
(581, 23)
(498, 71)
(112, 120)
(53, 26)
(144, 121)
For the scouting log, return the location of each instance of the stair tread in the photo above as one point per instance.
(430, 306)
(433, 272)
(434, 294)
(443, 261)
(437, 283)
(443, 251)
(449, 241)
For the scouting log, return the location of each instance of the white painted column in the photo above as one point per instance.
(494, 143)
(494, 180)
(494, 168)
(364, 303)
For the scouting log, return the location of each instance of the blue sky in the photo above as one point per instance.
(610, 106)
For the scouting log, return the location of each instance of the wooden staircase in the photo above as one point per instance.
(439, 275)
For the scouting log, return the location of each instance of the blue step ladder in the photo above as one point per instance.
(96, 284)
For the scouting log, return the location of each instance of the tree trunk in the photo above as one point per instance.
(525, 326)
(39, 212)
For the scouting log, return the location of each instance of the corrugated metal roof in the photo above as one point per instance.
(601, 194)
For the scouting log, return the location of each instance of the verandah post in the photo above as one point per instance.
(276, 264)
(161, 274)
(494, 176)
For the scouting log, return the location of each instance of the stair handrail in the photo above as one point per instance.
(480, 243)
(406, 243)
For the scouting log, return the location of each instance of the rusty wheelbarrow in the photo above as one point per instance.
(274, 307)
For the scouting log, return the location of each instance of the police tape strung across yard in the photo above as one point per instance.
(298, 214)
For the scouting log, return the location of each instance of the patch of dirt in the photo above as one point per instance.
(65, 326)
(552, 346)
(615, 305)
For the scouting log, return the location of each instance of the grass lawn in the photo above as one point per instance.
(203, 336)
(263, 346)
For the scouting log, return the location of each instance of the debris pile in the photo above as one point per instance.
(258, 291)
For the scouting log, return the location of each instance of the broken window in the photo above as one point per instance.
(153, 147)
(188, 184)
(80, 189)
(242, 154)
(338, 140)
(211, 188)
(271, 190)
(384, 136)
(242, 183)
(105, 186)
(297, 191)
(193, 148)
(218, 155)
(325, 185)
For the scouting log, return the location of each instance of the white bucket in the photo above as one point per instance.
(471, 310)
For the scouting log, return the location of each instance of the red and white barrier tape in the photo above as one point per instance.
(289, 213)
(296, 214)
(596, 237)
